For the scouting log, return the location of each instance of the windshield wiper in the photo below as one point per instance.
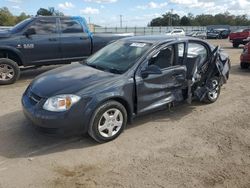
(115, 71)
(96, 67)
(106, 69)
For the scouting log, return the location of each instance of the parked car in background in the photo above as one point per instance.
(245, 57)
(218, 33)
(197, 34)
(176, 32)
(4, 28)
(49, 40)
(240, 36)
(127, 78)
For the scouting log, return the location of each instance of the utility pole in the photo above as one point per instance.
(170, 17)
(89, 21)
(121, 21)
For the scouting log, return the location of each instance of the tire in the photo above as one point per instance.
(219, 37)
(235, 45)
(9, 71)
(104, 129)
(213, 95)
(244, 65)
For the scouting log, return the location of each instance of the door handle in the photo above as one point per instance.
(83, 38)
(52, 39)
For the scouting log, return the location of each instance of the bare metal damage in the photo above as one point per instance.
(218, 66)
(188, 82)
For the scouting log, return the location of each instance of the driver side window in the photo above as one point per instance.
(44, 26)
(163, 59)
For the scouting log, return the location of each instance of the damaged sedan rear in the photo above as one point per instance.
(127, 78)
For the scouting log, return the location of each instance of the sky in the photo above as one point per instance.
(134, 12)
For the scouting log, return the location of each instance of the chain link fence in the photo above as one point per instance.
(153, 30)
(4, 28)
(145, 30)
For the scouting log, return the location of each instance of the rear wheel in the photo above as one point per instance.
(244, 65)
(9, 71)
(235, 45)
(108, 122)
(214, 94)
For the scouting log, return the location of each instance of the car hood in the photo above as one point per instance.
(4, 33)
(70, 79)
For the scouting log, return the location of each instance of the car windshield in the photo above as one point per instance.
(20, 26)
(192, 33)
(238, 30)
(118, 57)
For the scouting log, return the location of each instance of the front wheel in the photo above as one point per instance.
(214, 92)
(244, 65)
(9, 71)
(219, 37)
(108, 121)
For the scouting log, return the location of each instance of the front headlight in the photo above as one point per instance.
(60, 103)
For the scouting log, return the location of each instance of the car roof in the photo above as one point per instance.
(162, 39)
(155, 39)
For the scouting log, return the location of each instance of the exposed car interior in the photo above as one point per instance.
(164, 58)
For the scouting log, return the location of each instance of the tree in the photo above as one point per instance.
(167, 19)
(185, 21)
(51, 11)
(156, 22)
(200, 20)
(21, 17)
(6, 18)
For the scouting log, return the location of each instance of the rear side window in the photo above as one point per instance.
(181, 47)
(195, 50)
(71, 26)
(180, 51)
(45, 26)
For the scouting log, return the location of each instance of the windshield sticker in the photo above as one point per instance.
(139, 45)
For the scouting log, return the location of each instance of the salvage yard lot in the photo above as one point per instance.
(187, 146)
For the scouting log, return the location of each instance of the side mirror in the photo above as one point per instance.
(151, 69)
(30, 31)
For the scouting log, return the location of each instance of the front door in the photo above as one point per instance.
(157, 90)
(43, 46)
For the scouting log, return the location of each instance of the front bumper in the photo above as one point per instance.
(71, 121)
(239, 41)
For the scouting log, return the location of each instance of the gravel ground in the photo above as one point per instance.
(187, 146)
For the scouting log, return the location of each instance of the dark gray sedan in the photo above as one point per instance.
(130, 77)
